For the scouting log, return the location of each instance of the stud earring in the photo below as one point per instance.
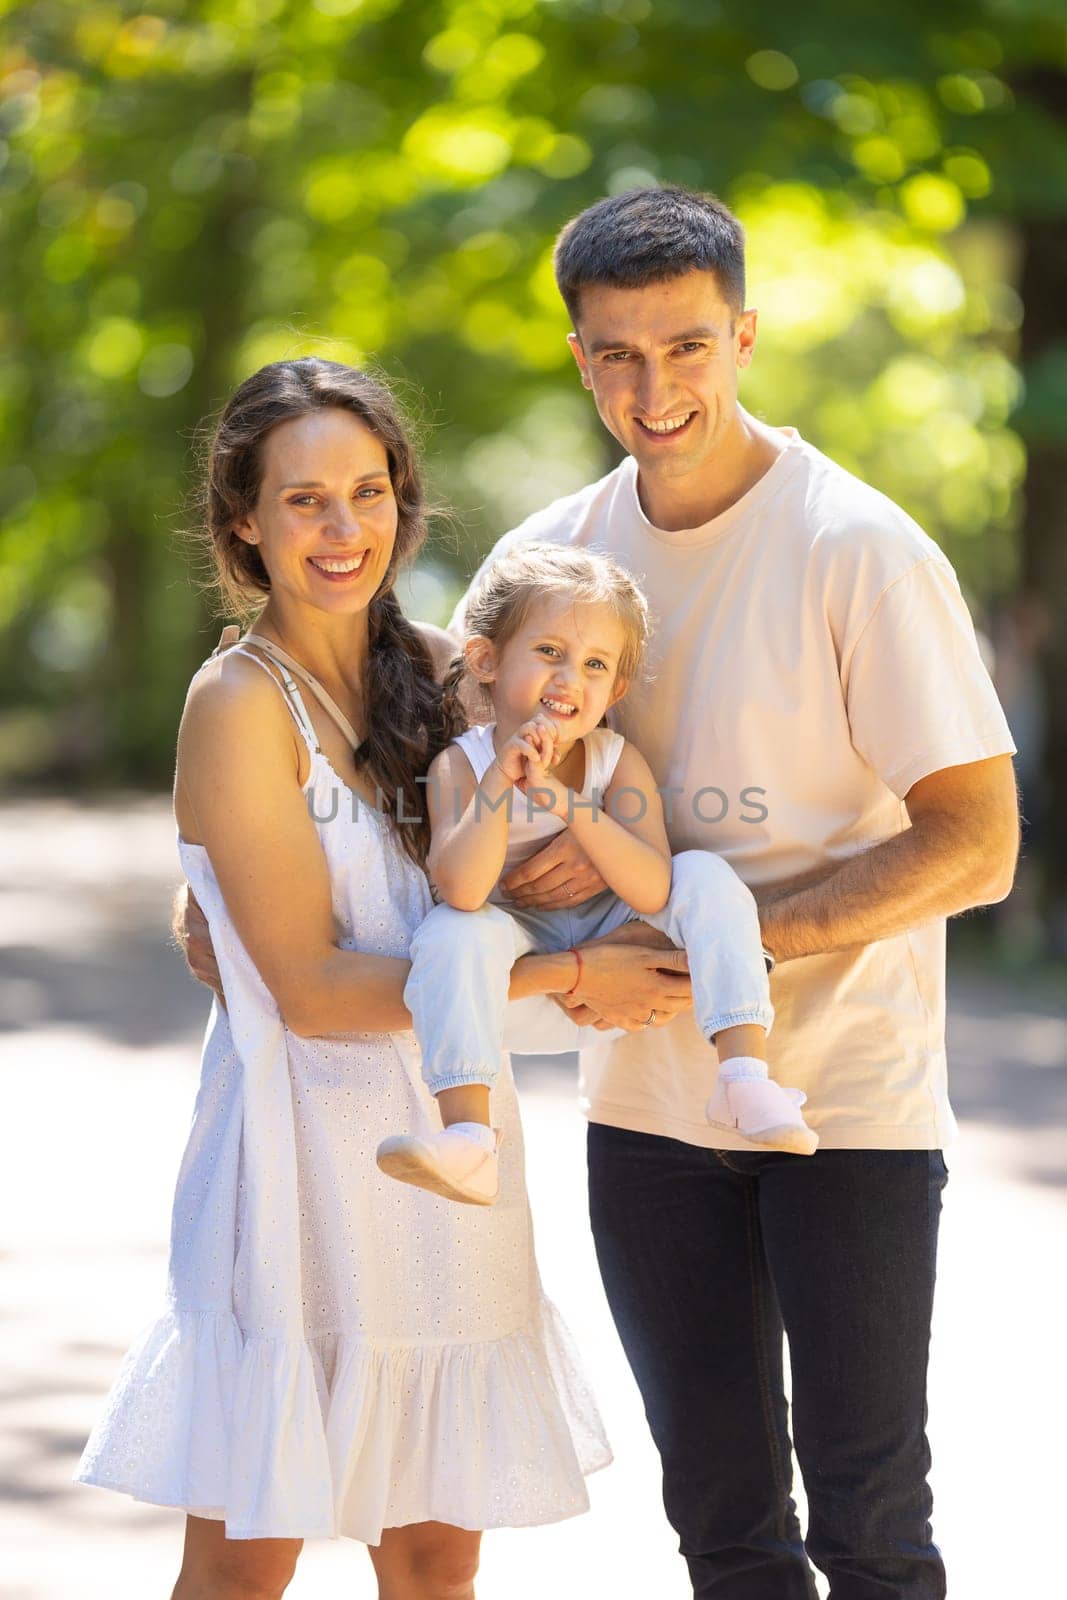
(253, 538)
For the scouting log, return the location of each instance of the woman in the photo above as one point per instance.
(341, 1354)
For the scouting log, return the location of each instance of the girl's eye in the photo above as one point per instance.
(549, 647)
(594, 663)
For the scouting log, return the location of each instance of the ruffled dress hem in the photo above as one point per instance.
(342, 1436)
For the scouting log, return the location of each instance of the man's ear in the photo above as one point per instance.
(481, 657)
(745, 335)
(579, 355)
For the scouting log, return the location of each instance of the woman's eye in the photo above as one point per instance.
(369, 491)
(303, 500)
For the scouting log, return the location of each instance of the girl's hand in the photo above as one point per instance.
(522, 747)
(550, 794)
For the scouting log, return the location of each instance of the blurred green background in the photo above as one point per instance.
(190, 190)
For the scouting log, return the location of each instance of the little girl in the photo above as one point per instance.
(556, 633)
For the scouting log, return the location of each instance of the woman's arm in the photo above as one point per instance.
(238, 793)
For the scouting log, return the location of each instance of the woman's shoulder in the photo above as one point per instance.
(234, 695)
(229, 676)
(443, 647)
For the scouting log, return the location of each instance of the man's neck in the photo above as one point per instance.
(746, 450)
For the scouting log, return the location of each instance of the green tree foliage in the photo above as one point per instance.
(195, 188)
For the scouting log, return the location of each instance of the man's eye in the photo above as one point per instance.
(615, 357)
(690, 347)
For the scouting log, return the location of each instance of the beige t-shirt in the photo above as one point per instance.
(813, 658)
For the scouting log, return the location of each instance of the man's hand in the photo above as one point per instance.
(559, 875)
(191, 935)
(626, 975)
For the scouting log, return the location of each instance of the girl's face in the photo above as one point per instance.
(326, 517)
(563, 663)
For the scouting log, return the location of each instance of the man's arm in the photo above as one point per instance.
(959, 852)
(191, 935)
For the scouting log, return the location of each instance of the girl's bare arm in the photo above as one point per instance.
(469, 824)
(627, 840)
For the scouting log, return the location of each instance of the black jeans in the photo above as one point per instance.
(707, 1256)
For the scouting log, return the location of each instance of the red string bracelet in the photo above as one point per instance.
(577, 956)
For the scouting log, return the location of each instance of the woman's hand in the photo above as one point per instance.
(193, 937)
(621, 988)
(626, 976)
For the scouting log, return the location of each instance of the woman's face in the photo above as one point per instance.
(326, 518)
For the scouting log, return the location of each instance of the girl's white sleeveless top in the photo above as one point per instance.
(341, 1353)
(531, 826)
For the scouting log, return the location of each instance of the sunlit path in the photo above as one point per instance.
(99, 1062)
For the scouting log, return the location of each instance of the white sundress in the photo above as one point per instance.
(341, 1353)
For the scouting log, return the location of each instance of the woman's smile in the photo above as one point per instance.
(339, 569)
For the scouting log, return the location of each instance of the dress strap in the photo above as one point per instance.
(289, 692)
(287, 663)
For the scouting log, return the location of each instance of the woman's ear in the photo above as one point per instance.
(480, 654)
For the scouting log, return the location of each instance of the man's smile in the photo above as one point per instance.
(666, 427)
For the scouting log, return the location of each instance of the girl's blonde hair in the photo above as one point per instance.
(502, 599)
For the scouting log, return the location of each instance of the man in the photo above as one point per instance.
(817, 712)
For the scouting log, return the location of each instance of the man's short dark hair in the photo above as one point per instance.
(649, 236)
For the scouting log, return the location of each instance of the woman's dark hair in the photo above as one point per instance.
(649, 236)
(409, 719)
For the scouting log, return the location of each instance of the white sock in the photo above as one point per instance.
(476, 1131)
(742, 1069)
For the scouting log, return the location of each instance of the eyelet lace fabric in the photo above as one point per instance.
(341, 1353)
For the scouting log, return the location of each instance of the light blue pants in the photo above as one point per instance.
(461, 963)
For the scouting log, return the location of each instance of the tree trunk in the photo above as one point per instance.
(1044, 532)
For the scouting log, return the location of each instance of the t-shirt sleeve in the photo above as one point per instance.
(918, 695)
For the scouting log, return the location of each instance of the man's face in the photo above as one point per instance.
(662, 363)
